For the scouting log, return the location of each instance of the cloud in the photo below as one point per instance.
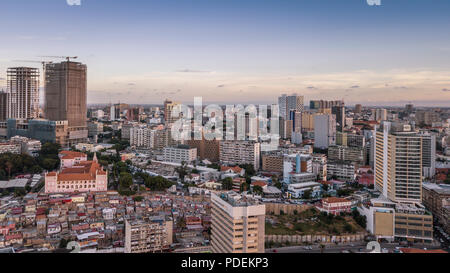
(191, 71)
(221, 85)
(401, 87)
(354, 86)
(131, 84)
(446, 90)
(311, 87)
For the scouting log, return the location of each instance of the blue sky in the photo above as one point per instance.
(247, 51)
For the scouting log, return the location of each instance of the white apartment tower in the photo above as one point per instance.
(23, 93)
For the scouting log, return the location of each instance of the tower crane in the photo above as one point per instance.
(31, 61)
(61, 57)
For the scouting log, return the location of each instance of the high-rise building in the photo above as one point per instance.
(398, 162)
(339, 112)
(379, 114)
(238, 224)
(287, 103)
(66, 93)
(324, 131)
(23, 92)
(428, 155)
(66, 98)
(358, 109)
(168, 107)
(206, 149)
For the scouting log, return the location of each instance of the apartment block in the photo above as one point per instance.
(148, 235)
(238, 224)
(240, 152)
(179, 154)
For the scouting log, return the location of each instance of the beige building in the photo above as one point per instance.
(148, 235)
(237, 224)
(398, 162)
(272, 162)
(168, 107)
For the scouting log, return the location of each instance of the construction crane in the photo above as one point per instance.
(31, 61)
(61, 57)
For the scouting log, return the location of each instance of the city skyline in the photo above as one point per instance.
(234, 51)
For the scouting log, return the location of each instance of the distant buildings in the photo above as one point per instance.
(238, 224)
(287, 103)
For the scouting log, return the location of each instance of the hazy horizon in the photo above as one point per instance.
(241, 51)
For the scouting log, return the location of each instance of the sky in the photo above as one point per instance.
(240, 51)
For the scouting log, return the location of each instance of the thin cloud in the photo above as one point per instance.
(221, 85)
(311, 87)
(446, 90)
(355, 86)
(191, 71)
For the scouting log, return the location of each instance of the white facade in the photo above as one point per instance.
(180, 154)
(324, 131)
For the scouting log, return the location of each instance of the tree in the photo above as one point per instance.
(257, 190)
(307, 194)
(227, 183)
(62, 243)
(348, 228)
(125, 180)
(138, 198)
(325, 187)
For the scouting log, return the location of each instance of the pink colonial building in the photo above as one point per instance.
(84, 176)
(70, 159)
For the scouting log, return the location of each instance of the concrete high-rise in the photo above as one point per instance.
(3, 105)
(66, 98)
(23, 92)
(238, 224)
(324, 131)
(66, 93)
(339, 112)
(398, 162)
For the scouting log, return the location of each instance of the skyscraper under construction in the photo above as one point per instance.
(66, 98)
(23, 93)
